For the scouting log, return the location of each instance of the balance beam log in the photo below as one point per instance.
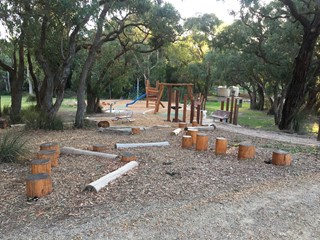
(132, 145)
(38, 185)
(246, 151)
(281, 158)
(221, 145)
(41, 166)
(202, 142)
(99, 147)
(48, 154)
(186, 141)
(193, 133)
(71, 150)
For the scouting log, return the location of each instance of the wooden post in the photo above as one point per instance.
(169, 104)
(184, 115)
(222, 105)
(221, 145)
(202, 142)
(198, 112)
(38, 185)
(182, 125)
(128, 157)
(281, 158)
(246, 151)
(235, 114)
(99, 147)
(186, 141)
(227, 104)
(51, 146)
(135, 130)
(176, 110)
(193, 133)
(231, 109)
(48, 154)
(41, 166)
(192, 110)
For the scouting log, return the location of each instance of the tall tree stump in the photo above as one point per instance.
(128, 157)
(281, 158)
(193, 133)
(135, 130)
(246, 151)
(186, 141)
(41, 166)
(99, 147)
(194, 123)
(48, 154)
(38, 185)
(51, 146)
(221, 145)
(202, 142)
(183, 125)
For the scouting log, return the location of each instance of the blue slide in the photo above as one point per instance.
(134, 101)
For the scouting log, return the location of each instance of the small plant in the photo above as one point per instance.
(12, 147)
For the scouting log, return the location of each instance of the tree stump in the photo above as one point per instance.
(193, 133)
(194, 123)
(221, 145)
(38, 185)
(99, 147)
(135, 130)
(41, 166)
(128, 157)
(3, 123)
(202, 142)
(186, 141)
(183, 125)
(51, 146)
(104, 124)
(246, 151)
(281, 158)
(48, 154)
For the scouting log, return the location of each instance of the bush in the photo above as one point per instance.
(12, 147)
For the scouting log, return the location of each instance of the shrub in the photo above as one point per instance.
(12, 147)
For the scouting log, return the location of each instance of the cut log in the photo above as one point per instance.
(202, 128)
(99, 147)
(246, 151)
(120, 130)
(221, 145)
(194, 123)
(41, 166)
(128, 157)
(103, 124)
(135, 130)
(183, 125)
(281, 158)
(193, 133)
(176, 131)
(186, 141)
(71, 150)
(49, 154)
(51, 146)
(202, 142)
(104, 181)
(38, 185)
(132, 145)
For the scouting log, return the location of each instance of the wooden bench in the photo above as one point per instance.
(221, 115)
(125, 115)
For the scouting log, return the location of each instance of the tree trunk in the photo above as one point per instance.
(260, 104)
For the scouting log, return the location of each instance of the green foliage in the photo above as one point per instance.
(12, 147)
(34, 120)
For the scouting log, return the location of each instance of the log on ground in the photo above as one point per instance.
(132, 145)
(71, 150)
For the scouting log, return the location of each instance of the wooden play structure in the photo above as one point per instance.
(230, 113)
(152, 93)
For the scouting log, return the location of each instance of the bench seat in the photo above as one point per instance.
(221, 115)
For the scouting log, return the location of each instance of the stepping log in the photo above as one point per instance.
(135, 130)
(221, 145)
(194, 123)
(51, 146)
(48, 154)
(38, 185)
(103, 124)
(246, 151)
(202, 142)
(41, 166)
(193, 133)
(281, 158)
(128, 157)
(186, 141)
(182, 125)
(99, 147)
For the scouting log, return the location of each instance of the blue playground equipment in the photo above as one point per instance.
(137, 99)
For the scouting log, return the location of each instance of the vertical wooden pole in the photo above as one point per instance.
(231, 109)
(222, 105)
(235, 113)
(192, 111)
(227, 105)
(169, 104)
(198, 112)
(176, 112)
(184, 116)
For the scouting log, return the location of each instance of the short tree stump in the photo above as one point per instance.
(135, 131)
(281, 158)
(193, 133)
(48, 154)
(202, 142)
(51, 146)
(186, 141)
(38, 185)
(41, 166)
(99, 147)
(194, 123)
(182, 125)
(246, 151)
(221, 145)
(104, 124)
(128, 157)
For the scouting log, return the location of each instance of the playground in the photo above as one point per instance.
(173, 193)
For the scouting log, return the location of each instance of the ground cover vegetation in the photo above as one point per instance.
(106, 49)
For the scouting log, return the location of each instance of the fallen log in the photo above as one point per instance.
(176, 131)
(132, 145)
(202, 128)
(104, 181)
(71, 150)
(120, 130)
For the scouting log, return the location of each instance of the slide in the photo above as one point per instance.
(134, 101)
